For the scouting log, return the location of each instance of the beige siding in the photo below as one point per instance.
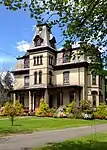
(19, 82)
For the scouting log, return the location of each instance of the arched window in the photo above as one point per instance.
(93, 78)
(40, 77)
(35, 78)
(38, 42)
(94, 94)
(50, 77)
(66, 57)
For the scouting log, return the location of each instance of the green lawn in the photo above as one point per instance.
(30, 124)
(91, 142)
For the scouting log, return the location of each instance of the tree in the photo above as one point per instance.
(85, 20)
(6, 85)
(12, 110)
(8, 80)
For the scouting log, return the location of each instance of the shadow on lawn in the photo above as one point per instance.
(77, 145)
(17, 125)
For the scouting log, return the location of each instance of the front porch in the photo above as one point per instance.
(54, 96)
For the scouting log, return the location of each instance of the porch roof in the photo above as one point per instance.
(64, 86)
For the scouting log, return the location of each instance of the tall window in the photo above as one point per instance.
(94, 94)
(66, 77)
(100, 81)
(26, 63)
(40, 77)
(66, 57)
(93, 78)
(38, 42)
(35, 78)
(50, 77)
(50, 60)
(26, 81)
(37, 60)
(41, 60)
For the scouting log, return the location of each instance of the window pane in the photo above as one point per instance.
(66, 77)
(38, 42)
(26, 63)
(41, 60)
(35, 60)
(26, 80)
(40, 77)
(35, 78)
(38, 60)
(93, 78)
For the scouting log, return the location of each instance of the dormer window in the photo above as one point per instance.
(38, 40)
(66, 57)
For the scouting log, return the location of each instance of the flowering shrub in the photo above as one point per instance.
(60, 112)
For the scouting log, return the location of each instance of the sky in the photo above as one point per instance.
(16, 33)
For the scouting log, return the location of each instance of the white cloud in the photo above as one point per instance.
(23, 46)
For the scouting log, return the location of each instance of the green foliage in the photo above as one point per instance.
(43, 108)
(84, 20)
(101, 111)
(85, 106)
(91, 142)
(70, 108)
(19, 108)
(12, 111)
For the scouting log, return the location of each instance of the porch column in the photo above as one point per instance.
(33, 101)
(30, 104)
(46, 96)
(61, 98)
(14, 98)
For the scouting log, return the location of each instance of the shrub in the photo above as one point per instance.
(60, 112)
(43, 109)
(101, 111)
(71, 107)
(12, 110)
(85, 106)
(19, 108)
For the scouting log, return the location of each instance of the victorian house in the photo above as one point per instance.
(58, 76)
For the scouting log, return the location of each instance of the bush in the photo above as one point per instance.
(12, 110)
(70, 108)
(85, 106)
(19, 108)
(60, 112)
(101, 111)
(43, 110)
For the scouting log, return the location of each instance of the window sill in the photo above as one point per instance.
(37, 64)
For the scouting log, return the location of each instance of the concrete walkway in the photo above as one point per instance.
(29, 141)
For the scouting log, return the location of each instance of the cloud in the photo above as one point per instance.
(23, 46)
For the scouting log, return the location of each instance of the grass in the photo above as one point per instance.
(91, 142)
(31, 124)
